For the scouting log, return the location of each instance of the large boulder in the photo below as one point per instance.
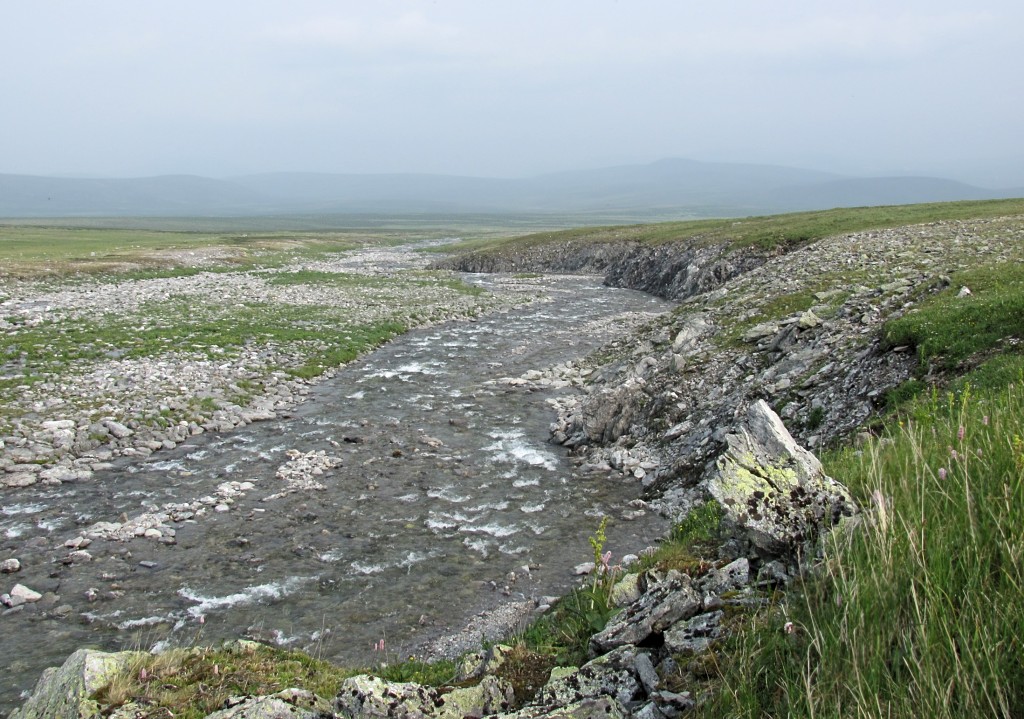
(63, 693)
(772, 488)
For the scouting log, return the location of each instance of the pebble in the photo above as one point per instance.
(10, 566)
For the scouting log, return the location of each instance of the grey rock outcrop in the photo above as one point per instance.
(64, 692)
(774, 489)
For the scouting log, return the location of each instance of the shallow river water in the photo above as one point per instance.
(443, 484)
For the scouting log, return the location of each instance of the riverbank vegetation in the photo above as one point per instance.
(919, 612)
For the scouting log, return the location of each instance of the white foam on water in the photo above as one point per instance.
(332, 556)
(531, 508)
(12, 509)
(508, 549)
(477, 545)
(165, 466)
(280, 639)
(448, 495)
(493, 529)
(511, 448)
(440, 525)
(357, 395)
(50, 525)
(499, 506)
(249, 595)
(414, 497)
(197, 455)
(143, 622)
(411, 559)
(525, 483)
(15, 531)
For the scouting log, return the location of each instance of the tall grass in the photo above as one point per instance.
(920, 611)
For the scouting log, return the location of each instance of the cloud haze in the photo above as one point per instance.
(124, 88)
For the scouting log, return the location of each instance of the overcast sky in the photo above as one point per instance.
(509, 88)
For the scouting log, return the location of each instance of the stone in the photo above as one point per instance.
(733, 576)
(21, 594)
(290, 704)
(808, 320)
(613, 674)
(596, 708)
(63, 693)
(695, 634)
(774, 489)
(117, 429)
(660, 607)
(18, 479)
(626, 590)
(368, 696)
(10, 566)
(759, 332)
(646, 673)
(693, 329)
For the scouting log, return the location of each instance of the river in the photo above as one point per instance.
(437, 483)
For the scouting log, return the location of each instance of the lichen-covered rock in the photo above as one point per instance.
(695, 634)
(613, 674)
(773, 488)
(664, 604)
(63, 693)
(272, 707)
(733, 576)
(366, 696)
(626, 590)
(597, 708)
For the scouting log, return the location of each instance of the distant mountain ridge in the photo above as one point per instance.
(687, 187)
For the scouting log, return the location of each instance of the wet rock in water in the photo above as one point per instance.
(10, 566)
(774, 489)
(63, 693)
(21, 594)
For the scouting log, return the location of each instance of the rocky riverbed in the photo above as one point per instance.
(405, 495)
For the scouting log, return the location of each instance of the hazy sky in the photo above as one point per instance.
(508, 88)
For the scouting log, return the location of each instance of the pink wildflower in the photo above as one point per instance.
(960, 433)
(942, 472)
(789, 628)
(953, 454)
(984, 420)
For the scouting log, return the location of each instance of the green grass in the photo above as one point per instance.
(192, 683)
(767, 232)
(30, 251)
(920, 612)
(948, 330)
